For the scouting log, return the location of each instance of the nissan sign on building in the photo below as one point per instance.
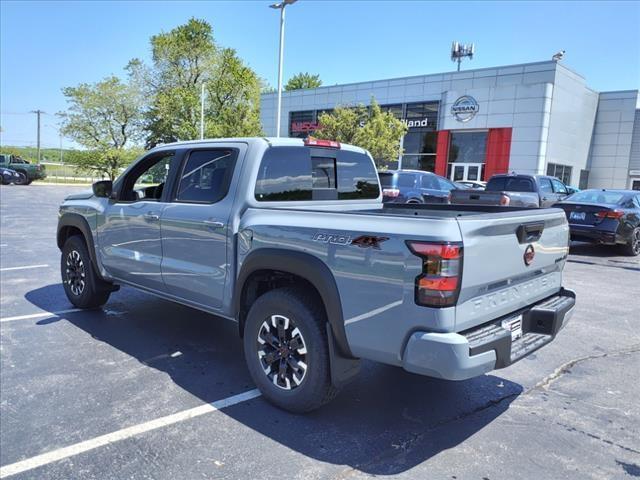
(465, 108)
(538, 118)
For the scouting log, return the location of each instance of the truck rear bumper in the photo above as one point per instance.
(458, 356)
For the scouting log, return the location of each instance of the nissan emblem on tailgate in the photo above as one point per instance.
(529, 253)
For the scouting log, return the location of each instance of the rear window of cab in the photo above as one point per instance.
(305, 173)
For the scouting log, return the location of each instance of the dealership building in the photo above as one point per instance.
(539, 118)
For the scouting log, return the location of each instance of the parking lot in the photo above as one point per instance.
(150, 389)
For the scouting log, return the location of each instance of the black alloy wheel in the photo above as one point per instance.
(282, 352)
(75, 274)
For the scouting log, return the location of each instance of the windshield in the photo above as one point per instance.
(510, 184)
(597, 196)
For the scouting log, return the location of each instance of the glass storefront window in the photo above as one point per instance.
(420, 142)
(396, 109)
(419, 162)
(468, 147)
(563, 172)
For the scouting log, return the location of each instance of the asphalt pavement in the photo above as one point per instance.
(147, 389)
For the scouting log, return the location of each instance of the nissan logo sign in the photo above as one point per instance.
(465, 108)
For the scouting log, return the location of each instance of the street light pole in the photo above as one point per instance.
(280, 6)
(202, 111)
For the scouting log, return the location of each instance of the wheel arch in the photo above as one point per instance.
(306, 267)
(75, 224)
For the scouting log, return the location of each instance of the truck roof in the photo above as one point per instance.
(271, 141)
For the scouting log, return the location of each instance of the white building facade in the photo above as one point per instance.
(532, 118)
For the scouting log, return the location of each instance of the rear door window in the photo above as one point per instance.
(302, 173)
(545, 185)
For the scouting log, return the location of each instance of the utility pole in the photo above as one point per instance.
(38, 113)
(280, 6)
(202, 111)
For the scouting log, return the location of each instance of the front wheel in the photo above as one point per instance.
(83, 287)
(22, 180)
(286, 350)
(632, 248)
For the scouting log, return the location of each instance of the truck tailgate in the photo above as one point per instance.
(475, 197)
(497, 279)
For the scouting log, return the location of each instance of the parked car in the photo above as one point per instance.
(516, 190)
(10, 176)
(290, 239)
(478, 185)
(29, 172)
(414, 186)
(610, 217)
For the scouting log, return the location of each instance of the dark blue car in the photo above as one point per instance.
(414, 186)
(610, 217)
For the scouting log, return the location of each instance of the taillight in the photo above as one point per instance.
(314, 142)
(390, 192)
(439, 283)
(610, 214)
(505, 200)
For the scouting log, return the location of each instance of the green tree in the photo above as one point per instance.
(105, 162)
(106, 119)
(303, 80)
(372, 129)
(182, 60)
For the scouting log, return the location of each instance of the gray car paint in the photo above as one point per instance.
(376, 286)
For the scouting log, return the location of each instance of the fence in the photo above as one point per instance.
(65, 173)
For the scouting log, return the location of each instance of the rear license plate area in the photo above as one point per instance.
(581, 216)
(513, 325)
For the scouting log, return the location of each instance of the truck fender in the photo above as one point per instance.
(316, 272)
(77, 221)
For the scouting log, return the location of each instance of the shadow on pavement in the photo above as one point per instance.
(386, 422)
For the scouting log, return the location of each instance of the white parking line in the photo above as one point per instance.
(41, 314)
(78, 448)
(22, 268)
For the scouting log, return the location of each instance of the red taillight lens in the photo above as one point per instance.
(505, 200)
(314, 142)
(439, 283)
(390, 192)
(610, 214)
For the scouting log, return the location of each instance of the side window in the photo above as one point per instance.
(445, 185)
(545, 185)
(558, 186)
(146, 181)
(636, 200)
(429, 181)
(406, 180)
(205, 176)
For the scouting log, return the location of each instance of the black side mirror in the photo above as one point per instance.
(102, 188)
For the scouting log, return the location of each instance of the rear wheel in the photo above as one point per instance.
(632, 248)
(286, 350)
(83, 287)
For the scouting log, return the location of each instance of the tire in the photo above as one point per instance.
(296, 316)
(83, 287)
(632, 248)
(23, 180)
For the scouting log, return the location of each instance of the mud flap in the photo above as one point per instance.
(343, 369)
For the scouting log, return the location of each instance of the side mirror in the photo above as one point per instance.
(102, 188)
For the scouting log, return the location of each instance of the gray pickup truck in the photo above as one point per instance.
(516, 190)
(290, 239)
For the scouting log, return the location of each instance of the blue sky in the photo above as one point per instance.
(45, 46)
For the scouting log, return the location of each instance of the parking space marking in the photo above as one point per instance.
(22, 268)
(109, 438)
(41, 314)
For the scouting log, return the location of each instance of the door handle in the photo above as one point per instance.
(152, 217)
(213, 223)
